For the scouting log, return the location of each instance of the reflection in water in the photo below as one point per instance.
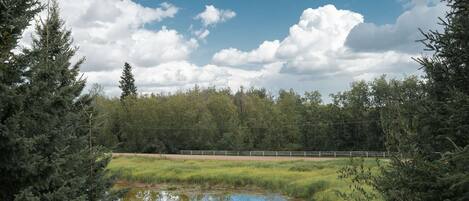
(161, 195)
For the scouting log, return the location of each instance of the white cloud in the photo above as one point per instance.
(150, 47)
(401, 35)
(212, 15)
(319, 30)
(315, 50)
(318, 34)
(265, 53)
(111, 32)
(316, 39)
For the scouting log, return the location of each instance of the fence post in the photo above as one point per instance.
(304, 153)
(319, 153)
(238, 153)
(290, 153)
(335, 154)
(384, 154)
(249, 153)
(202, 152)
(263, 154)
(367, 154)
(350, 154)
(225, 153)
(276, 153)
(191, 152)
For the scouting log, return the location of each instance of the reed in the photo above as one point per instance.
(311, 180)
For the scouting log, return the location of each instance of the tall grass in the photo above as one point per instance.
(311, 180)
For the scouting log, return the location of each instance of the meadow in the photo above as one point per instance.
(310, 180)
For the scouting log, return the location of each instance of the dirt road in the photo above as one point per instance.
(228, 158)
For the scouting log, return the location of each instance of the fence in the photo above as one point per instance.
(289, 153)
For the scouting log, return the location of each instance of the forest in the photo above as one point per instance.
(254, 119)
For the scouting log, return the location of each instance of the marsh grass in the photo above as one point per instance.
(310, 180)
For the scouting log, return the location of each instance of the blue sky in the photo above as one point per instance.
(261, 20)
(274, 44)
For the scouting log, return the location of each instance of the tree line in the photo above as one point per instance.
(250, 119)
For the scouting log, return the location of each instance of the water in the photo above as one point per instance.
(142, 194)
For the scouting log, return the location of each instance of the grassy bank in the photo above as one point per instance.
(315, 180)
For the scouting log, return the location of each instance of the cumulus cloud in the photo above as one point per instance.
(401, 35)
(110, 32)
(318, 34)
(265, 53)
(150, 47)
(315, 49)
(212, 15)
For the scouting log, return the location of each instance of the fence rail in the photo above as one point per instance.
(288, 153)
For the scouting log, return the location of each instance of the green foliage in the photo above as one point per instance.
(361, 180)
(445, 114)
(254, 120)
(14, 18)
(127, 82)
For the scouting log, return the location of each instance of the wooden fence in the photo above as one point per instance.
(289, 153)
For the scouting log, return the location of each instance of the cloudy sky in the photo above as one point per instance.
(275, 44)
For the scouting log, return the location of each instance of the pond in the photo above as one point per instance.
(197, 194)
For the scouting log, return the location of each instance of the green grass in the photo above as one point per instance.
(311, 180)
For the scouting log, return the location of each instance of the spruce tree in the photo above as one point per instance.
(446, 116)
(50, 131)
(15, 16)
(127, 82)
(435, 163)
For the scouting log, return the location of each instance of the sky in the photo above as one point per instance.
(303, 45)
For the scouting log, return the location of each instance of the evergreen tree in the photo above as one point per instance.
(446, 115)
(15, 16)
(434, 165)
(50, 133)
(127, 82)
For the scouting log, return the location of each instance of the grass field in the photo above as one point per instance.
(311, 180)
